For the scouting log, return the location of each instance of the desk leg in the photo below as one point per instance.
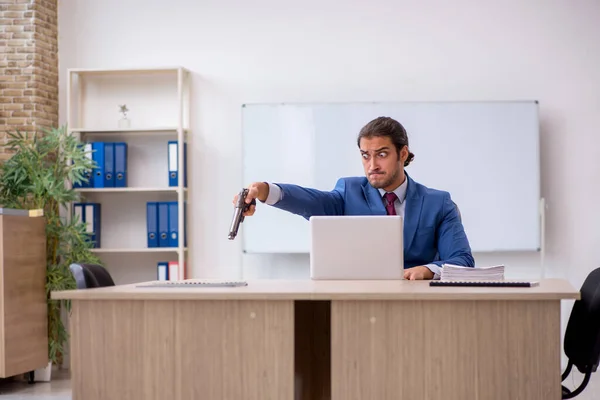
(168, 349)
(313, 350)
(450, 350)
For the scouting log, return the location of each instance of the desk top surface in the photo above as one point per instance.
(548, 289)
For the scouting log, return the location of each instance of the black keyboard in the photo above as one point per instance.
(484, 283)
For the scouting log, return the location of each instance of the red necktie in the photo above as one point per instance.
(390, 198)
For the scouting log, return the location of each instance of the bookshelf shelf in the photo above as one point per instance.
(139, 250)
(156, 131)
(131, 190)
(124, 130)
(152, 136)
(167, 70)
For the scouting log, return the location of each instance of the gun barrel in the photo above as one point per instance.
(238, 217)
(238, 214)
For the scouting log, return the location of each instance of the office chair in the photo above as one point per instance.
(582, 336)
(89, 276)
(100, 273)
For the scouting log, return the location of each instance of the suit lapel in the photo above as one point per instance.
(412, 212)
(373, 199)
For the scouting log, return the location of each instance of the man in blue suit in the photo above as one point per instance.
(433, 231)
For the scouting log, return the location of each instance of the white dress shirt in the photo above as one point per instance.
(275, 195)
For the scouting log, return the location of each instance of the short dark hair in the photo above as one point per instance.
(387, 127)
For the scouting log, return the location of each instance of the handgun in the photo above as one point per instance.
(238, 214)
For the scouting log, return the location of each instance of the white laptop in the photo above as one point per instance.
(356, 247)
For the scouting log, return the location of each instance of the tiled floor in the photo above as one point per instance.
(17, 389)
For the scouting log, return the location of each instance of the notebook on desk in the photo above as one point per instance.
(190, 283)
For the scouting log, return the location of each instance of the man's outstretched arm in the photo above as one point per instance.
(307, 202)
(296, 199)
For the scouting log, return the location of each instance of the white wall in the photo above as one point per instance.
(273, 51)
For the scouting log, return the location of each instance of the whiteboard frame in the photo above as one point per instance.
(542, 203)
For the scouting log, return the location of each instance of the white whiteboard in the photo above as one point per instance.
(486, 154)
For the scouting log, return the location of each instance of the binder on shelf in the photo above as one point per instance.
(184, 164)
(92, 221)
(173, 161)
(152, 223)
(162, 220)
(89, 173)
(173, 223)
(78, 211)
(176, 272)
(173, 271)
(98, 158)
(173, 165)
(88, 181)
(162, 273)
(90, 215)
(163, 224)
(120, 169)
(109, 164)
(185, 235)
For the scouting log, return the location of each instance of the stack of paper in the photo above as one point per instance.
(458, 273)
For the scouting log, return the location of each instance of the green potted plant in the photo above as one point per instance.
(40, 175)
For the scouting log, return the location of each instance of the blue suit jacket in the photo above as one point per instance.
(433, 231)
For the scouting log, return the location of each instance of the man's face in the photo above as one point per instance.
(383, 166)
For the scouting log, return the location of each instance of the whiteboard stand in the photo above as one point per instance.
(542, 238)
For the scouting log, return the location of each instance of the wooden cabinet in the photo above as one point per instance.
(23, 306)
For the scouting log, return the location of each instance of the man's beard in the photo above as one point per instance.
(387, 182)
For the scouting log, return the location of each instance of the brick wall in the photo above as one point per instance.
(28, 66)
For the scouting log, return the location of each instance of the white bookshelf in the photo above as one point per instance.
(158, 100)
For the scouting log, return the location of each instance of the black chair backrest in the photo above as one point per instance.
(582, 336)
(100, 273)
(83, 278)
(89, 276)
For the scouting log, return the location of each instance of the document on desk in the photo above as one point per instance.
(193, 283)
(459, 273)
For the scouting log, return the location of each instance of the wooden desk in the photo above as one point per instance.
(342, 340)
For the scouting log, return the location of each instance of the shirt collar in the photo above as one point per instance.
(400, 190)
